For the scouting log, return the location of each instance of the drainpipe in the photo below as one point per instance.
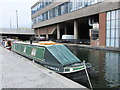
(90, 22)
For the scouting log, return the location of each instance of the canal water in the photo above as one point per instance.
(107, 63)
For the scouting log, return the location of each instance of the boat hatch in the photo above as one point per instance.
(62, 54)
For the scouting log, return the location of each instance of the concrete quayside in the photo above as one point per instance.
(20, 72)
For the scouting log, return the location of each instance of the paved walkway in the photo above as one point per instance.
(19, 72)
(0, 68)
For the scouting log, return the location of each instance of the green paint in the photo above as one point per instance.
(22, 48)
(17, 47)
(40, 53)
(13, 47)
(39, 50)
(78, 68)
(28, 50)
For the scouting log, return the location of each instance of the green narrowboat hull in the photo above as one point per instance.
(55, 57)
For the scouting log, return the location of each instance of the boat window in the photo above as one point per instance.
(40, 53)
(13, 46)
(24, 49)
(19, 47)
(33, 52)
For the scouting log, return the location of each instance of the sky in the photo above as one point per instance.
(8, 13)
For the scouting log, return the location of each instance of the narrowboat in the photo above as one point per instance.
(51, 55)
(6, 43)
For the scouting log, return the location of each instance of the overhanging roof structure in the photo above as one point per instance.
(17, 31)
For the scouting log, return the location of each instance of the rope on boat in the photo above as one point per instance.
(87, 75)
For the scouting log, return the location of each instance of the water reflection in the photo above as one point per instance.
(112, 69)
(106, 62)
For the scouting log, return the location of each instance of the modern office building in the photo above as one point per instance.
(97, 21)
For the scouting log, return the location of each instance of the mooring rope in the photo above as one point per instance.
(87, 75)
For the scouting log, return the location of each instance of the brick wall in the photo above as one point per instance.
(94, 42)
(102, 29)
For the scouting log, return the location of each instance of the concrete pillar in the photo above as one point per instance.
(58, 31)
(65, 29)
(75, 30)
(38, 32)
(47, 37)
(35, 31)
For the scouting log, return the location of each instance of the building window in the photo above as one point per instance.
(40, 5)
(59, 10)
(42, 17)
(33, 21)
(53, 12)
(39, 18)
(113, 28)
(66, 7)
(56, 11)
(62, 9)
(45, 16)
(48, 14)
(108, 16)
(69, 6)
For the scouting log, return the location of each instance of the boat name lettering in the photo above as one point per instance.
(54, 68)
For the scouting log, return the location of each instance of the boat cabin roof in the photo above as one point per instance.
(41, 43)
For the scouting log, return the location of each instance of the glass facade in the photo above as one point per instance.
(41, 5)
(64, 8)
(113, 29)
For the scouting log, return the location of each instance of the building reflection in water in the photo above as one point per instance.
(107, 63)
(112, 71)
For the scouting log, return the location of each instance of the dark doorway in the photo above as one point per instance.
(83, 29)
